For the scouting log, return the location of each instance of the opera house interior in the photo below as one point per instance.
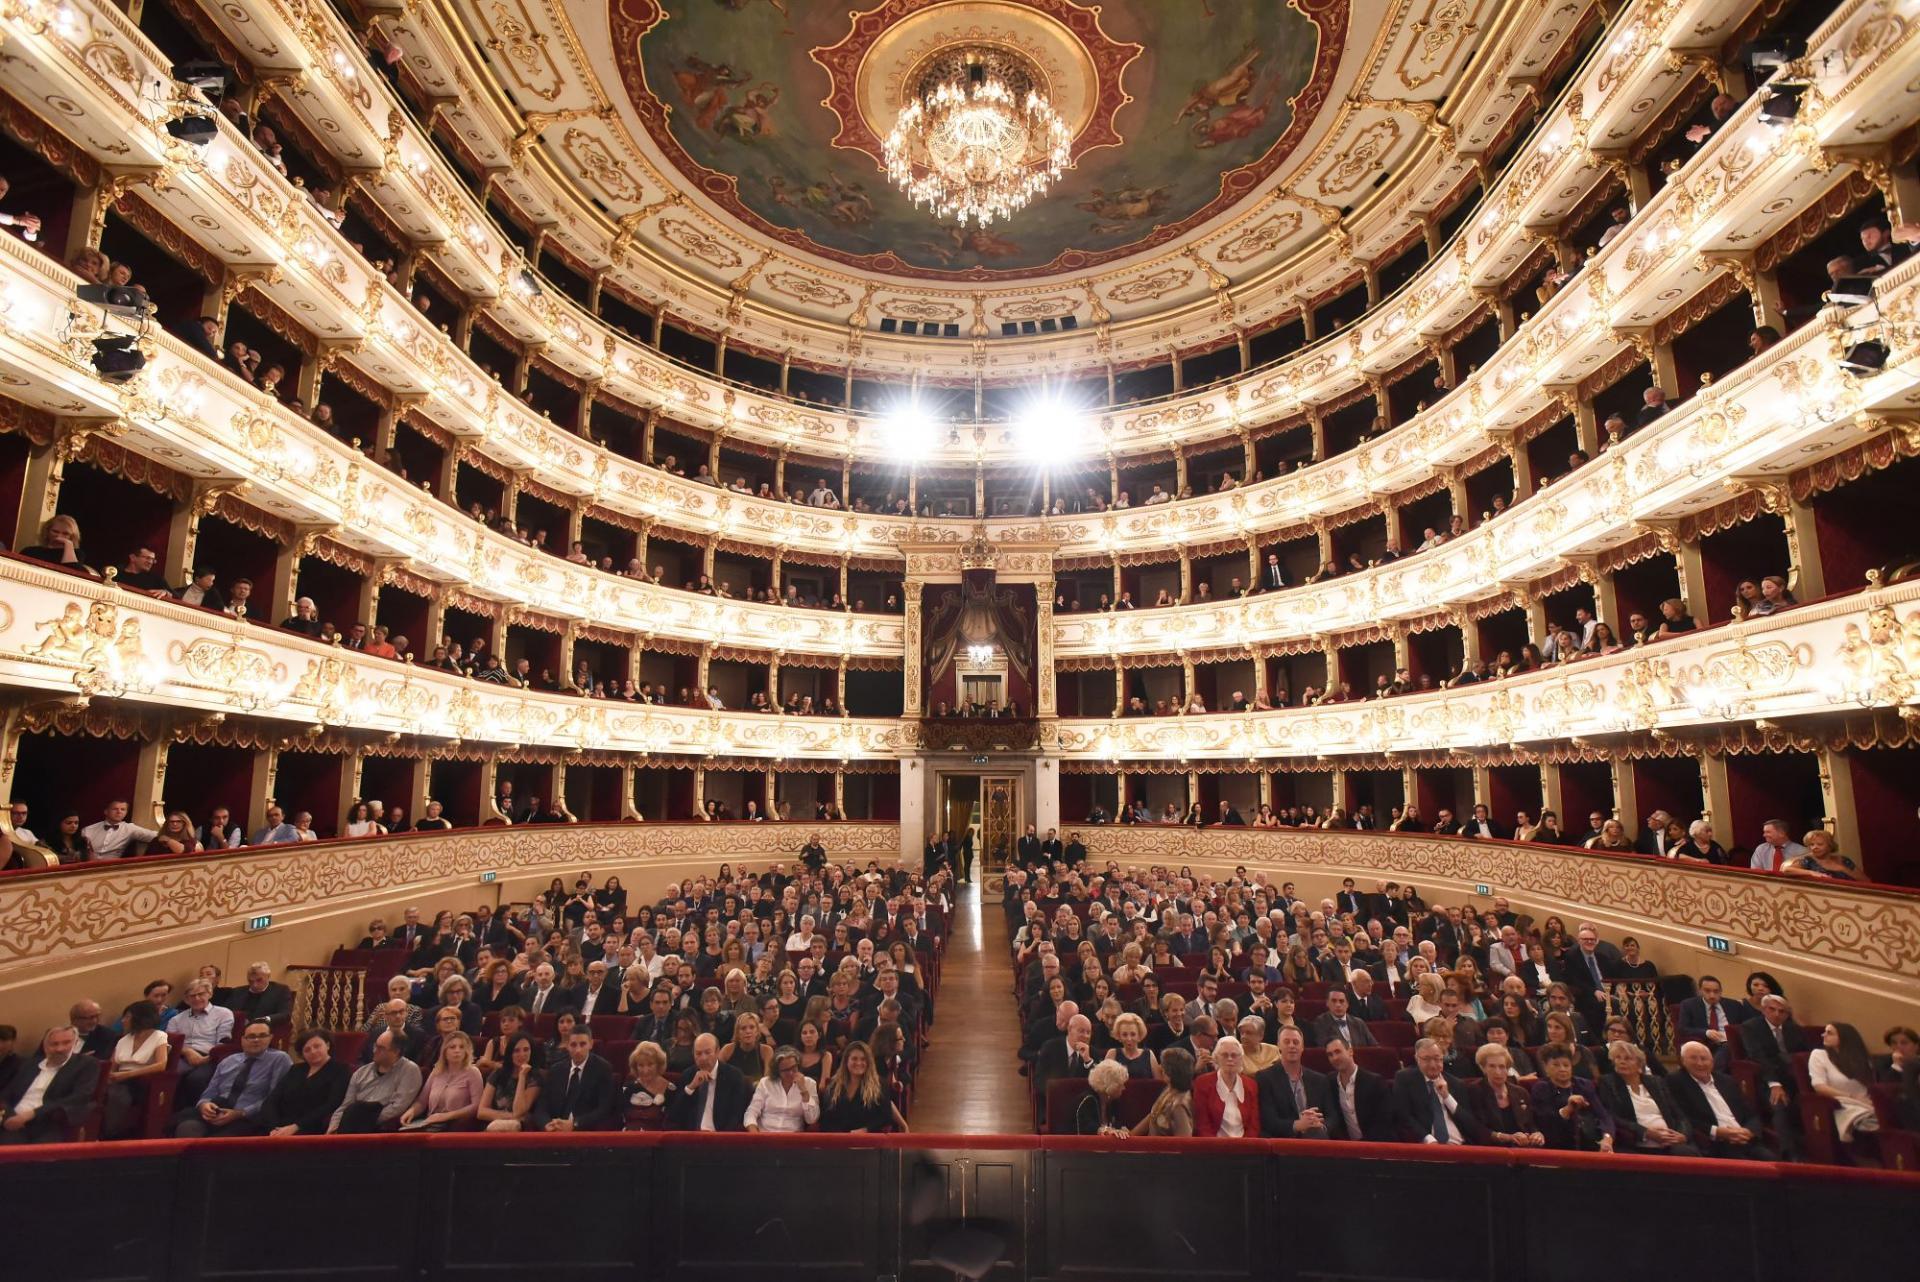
(1351, 566)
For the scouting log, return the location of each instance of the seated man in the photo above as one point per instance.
(241, 1083)
(49, 1094)
(263, 997)
(715, 1095)
(578, 1094)
(1722, 1121)
(1295, 1101)
(202, 1026)
(1431, 1106)
(379, 1090)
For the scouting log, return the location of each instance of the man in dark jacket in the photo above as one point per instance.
(714, 1097)
(578, 1094)
(51, 1093)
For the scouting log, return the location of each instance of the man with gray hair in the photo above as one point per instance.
(379, 1090)
(1431, 1106)
(1295, 1101)
(50, 1095)
(1771, 1039)
(1068, 1055)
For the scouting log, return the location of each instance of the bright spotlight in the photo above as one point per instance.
(1050, 430)
(909, 431)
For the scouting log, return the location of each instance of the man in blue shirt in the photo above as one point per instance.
(278, 831)
(240, 1086)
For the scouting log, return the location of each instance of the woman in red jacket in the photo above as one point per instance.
(1226, 1101)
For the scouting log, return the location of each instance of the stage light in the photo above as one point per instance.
(1851, 291)
(1863, 360)
(117, 357)
(909, 431)
(129, 301)
(1050, 429)
(1780, 105)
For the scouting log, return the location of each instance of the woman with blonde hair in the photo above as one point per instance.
(451, 1093)
(1133, 966)
(60, 545)
(749, 1051)
(647, 1088)
(855, 1102)
(1131, 1053)
(1425, 1002)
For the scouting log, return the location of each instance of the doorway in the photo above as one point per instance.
(988, 807)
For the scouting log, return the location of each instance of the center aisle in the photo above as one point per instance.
(971, 1083)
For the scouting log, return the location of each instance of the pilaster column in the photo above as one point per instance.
(844, 596)
(1457, 495)
(1259, 676)
(1330, 653)
(1717, 791)
(148, 803)
(773, 680)
(1836, 793)
(40, 491)
(780, 468)
(646, 435)
(1186, 577)
(706, 663)
(1402, 649)
(352, 770)
(1253, 561)
(840, 793)
(1043, 667)
(1186, 680)
(770, 805)
(1626, 801)
(1179, 468)
(707, 554)
(1807, 575)
(911, 704)
(1693, 580)
(264, 783)
(1318, 428)
(1606, 602)
(1552, 794)
(629, 812)
(699, 789)
(840, 685)
(1469, 635)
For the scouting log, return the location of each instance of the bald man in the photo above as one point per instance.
(715, 1095)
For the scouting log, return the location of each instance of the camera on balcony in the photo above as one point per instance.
(196, 120)
(130, 301)
(117, 357)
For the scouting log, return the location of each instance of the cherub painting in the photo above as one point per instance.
(1114, 210)
(1231, 95)
(704, 85)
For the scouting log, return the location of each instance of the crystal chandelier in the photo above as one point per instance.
(977, 139)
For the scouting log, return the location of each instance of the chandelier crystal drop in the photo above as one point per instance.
(977, 139)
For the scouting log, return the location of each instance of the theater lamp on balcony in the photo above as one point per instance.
(1865, 359)
(1780, 104)
(117, 357)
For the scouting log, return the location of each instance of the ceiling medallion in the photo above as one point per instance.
(977, 139)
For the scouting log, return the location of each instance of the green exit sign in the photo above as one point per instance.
(1482, 888)
(487, 877)
(1719, 944)
(259, 923)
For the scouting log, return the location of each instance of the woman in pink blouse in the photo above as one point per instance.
(451, 1094)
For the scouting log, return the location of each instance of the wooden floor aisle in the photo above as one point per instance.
(970, 1083)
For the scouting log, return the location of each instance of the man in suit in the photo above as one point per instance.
(1362, 1101)
(49, 1094)
(1350, 900)
(96, 1039)
(409, 1041)
(1771, 1039)
(1429, 1104)
(1295, 1101)
(656, 1025)
(1718, 1113)
(1706, 1017)
(542, 996)
(1051, 849)
(411, 933)
(578, 1094)
(1653, 836)
(1338, 1022)
(1272, 576)
(1068, 1055)
(1363, 999)
(1586, 967)
(599, 997)
(1444, 823)
(714, 1097)
(1482, 826)
(1229, 817)
(262, 997)
(1027, 849)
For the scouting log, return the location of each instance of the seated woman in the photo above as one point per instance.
(1098, 1112)
(1172, 1112)
(139, 1055)
(1823, 859)
(1500, 1102)
(1425, 1002)
(507, 1100)
(855, 1101)
(451, 1094)
(749, 1050)
(1842, 1073)
(1560, 1031)
(1646, 1118)
(1613, 837)
(1521, 1068)
(307, 1095)
(1131, 1053)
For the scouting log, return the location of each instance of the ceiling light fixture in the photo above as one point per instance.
(977, 139)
